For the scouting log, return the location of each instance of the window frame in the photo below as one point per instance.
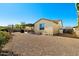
(42, 26)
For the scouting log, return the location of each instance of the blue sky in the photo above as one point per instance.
(31, 12)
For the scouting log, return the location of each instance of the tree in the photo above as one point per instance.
(77, 6)
(17, 26)
(23, 25)
(30, 25)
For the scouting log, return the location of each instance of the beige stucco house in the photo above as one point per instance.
(46, 26)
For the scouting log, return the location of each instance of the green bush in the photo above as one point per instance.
(4, 37)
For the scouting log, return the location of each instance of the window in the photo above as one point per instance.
(42, 26)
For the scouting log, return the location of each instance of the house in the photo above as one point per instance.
(46, 26)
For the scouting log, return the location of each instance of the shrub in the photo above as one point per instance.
(4, 37)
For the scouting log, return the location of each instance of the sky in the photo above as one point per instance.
(12, 13)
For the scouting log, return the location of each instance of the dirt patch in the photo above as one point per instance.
(41, 45)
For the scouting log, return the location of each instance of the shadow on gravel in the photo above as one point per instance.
(8, 53)
(67, 35)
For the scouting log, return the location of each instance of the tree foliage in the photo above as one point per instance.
(23, 25)
(77, 6)
(30, 25)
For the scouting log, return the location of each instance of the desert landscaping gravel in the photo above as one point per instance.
(26, 44)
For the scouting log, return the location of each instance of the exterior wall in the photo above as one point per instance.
(76, 32)
(50, 27)
(57, 27)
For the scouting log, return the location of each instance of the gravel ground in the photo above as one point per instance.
(26, 44)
